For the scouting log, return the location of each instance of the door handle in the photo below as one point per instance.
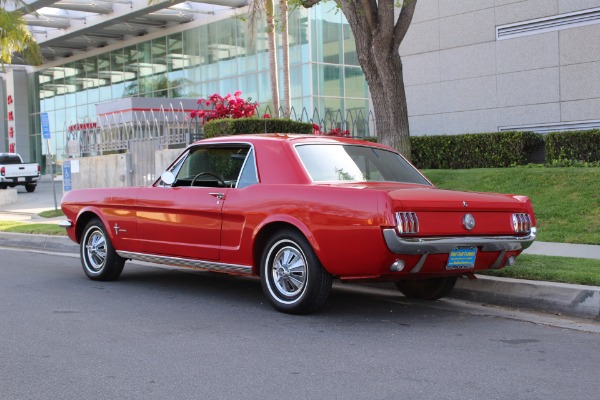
(219, 196)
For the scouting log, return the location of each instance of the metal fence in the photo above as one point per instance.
(143, 134)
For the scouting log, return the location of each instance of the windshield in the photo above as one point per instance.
(337, 162)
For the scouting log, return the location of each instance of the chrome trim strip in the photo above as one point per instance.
(417, 268)
(188, 263)
(65, 224)
(437, 245)
(496, 263)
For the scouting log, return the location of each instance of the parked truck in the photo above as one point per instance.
(14, 172)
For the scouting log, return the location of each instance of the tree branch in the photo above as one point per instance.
(403, 23)
(370, 10)
(385, 11)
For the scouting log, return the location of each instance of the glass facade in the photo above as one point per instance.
(219, 57)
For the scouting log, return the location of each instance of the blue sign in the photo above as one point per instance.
(45, 125)
(67, 185)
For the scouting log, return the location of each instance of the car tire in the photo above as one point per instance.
(292, 276)
(99, 259)
(30, 188)
(427, 289)
(3, 186)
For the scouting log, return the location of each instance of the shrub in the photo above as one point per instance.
(229, 126)
(481, 150)
(578, 147)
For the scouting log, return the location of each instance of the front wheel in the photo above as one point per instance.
(292, 276)
(427, 289)
(99, 259)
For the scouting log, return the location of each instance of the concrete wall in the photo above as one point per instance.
(460, 78)
(115, 170)
(8, 196)
(102, 171)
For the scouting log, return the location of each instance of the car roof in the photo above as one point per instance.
(290, 137)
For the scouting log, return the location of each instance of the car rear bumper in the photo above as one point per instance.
(437, 245)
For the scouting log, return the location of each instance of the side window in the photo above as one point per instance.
(248, 176)
(212, 166)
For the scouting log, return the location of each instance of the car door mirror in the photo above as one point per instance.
(167, 177)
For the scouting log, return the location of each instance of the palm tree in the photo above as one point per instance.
(257, 8)
(14, 35)
(285, 57)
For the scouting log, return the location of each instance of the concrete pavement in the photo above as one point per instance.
(575, 300)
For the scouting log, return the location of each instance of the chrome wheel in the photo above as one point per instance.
(289, 271)
(99, 259)
(96, 250)
(291, 274)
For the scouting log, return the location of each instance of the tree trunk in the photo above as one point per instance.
(378, 35)
(285, 53)
(273, 69)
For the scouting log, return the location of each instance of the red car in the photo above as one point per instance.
(298, 211)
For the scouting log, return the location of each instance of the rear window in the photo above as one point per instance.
(10, 159)
(337, 162)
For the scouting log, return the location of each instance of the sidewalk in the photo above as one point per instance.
(574, 300)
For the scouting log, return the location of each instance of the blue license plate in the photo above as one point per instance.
(462, 258)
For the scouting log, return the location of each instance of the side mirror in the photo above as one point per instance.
(167, 177)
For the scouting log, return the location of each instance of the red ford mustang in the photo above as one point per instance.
(298, 211)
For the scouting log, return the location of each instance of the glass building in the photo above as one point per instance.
(195, 60)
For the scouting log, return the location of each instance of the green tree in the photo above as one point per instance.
(14, 35)
(378, 31)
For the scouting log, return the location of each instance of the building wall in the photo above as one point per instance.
(460, 78)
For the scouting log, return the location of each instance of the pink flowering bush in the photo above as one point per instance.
(333, 132)
(218, 107)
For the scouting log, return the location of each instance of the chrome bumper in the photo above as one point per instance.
(437, 245)
(65, 224)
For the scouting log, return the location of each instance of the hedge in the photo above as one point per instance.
(573, 146)
(229, 126)
(479, 150)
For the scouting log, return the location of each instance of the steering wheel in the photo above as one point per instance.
(221, 181)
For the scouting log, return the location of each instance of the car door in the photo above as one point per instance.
(184, 219)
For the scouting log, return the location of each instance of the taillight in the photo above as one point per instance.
(2, 171)
(521, 223)
(407, 222)
(39, 169)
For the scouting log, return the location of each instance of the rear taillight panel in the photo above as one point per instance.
(407, 223)
(521, 223)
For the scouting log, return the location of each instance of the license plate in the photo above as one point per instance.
(21, 179)
(462, 258)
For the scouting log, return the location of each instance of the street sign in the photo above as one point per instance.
(67, 183)
(45, 125)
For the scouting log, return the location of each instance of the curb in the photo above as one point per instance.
(558, 298)
(39, 242)
(549, 297)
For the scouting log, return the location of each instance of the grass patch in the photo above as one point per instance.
(566, 201)
(40, 229)
(580, 271)
(51, 213)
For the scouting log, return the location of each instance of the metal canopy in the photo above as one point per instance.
(67, 27)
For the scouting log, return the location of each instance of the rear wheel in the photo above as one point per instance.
(30, 188)
(3, 186)
(427, 289)
(99, 259)
(291, 274)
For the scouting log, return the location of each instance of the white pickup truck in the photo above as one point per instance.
(13, 172)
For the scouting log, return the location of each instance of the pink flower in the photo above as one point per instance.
(266, 116)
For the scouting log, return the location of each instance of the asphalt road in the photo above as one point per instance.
(161, 333)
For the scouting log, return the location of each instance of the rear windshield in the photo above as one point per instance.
(337, 162)
(10, 159)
